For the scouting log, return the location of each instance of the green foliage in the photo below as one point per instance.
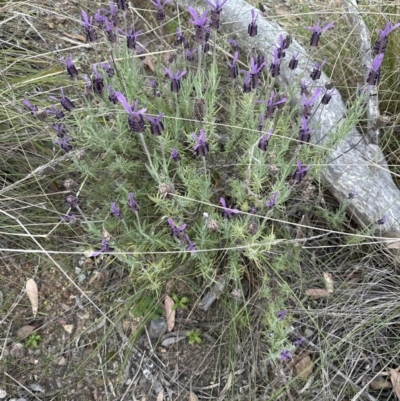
(194, 337)
(33, 340)
(180, 302)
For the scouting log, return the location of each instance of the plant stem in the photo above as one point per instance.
(145, 149)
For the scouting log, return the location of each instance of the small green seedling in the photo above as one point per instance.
(33, 340)
(180, 303)
(194, 337)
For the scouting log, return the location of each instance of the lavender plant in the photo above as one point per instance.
(240, 164)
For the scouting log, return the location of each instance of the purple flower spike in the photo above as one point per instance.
(65, 102)
(60, 129)
(247, 84)
(305, 132)
(135, 119)
(308, 103)
(234, 44)
(105, 248)
(271, 202)
(111, 95)
(263, 142)
(175, 155)
(132, 203)
(300, 172)
(176, 231)
(326, 98)
(156, 125)
(282, 314)
(121, 4)
(116, 211)
(108, 68)
(113, 13)
(316, 72)
(383, 39)
(71, 69)
(232, 67)
(131, 37)
(202, 31)
(255, 70)
(382, 220)
(175, 79)
(272, 104)
(97, 81)
(201, 148)
(33, 109)
(160, 16)
(227, 212)
(252, 28)
(63, 143)
(286, 355)
(100, 19)
(261, 122)
(72, 200)
(190, 54)
(216, 9)
(59, 114)
(299, 341)
(375, 73)
(275, 67)
(317, 30)
(191, 246)
(282, 46)
(293, 63)
(89, 28)
(68, 218)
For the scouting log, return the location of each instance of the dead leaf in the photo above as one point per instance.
(328, 282)
(160, 395)
(24, 331)
(33, 295)
(395, 379)
(379, 383)
(169, 312)
(149, 62)
(304, 367)
(193, 397)
(68, 328)
(172, 340)
(317, 293)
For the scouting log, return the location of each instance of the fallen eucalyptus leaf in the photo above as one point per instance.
(33, 295)
(169, 312)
